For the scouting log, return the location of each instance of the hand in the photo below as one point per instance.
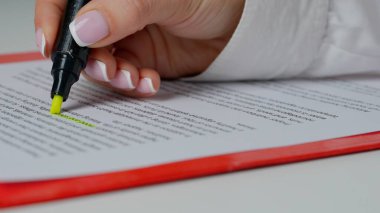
(138, 41)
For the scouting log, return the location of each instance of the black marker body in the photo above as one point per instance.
(68, 58)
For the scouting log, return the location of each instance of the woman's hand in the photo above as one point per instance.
(135, 42)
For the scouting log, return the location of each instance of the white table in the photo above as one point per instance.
(341, 184)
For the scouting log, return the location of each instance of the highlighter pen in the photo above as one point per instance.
(68, 58)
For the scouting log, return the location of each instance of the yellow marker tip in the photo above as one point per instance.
(56, 104)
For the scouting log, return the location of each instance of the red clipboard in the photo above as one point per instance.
(12, 194)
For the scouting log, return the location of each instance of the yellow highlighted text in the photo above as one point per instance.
(75, 120)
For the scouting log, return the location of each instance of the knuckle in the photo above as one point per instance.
(143, 8)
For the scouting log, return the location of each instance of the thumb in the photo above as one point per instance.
(103, 22)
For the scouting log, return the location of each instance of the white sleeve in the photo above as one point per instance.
(352, 41)
(281, 39)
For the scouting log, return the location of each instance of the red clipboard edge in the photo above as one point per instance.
(19, 57)
(25, 193)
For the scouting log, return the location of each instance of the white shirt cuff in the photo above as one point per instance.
(274, 39)
(352, 41)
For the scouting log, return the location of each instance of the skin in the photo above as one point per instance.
(152, 38)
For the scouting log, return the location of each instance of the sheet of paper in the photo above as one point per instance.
(101, 131)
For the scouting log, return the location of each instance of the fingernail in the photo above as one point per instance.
(96, 70)
(89, 28)
(146, 86)
(41, 41)
(123, 80)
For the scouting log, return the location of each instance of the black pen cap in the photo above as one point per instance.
(68, 58)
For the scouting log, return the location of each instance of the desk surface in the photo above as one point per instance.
(341, 184)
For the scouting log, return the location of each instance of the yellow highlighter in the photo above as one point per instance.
(56, 104)
(69, 59)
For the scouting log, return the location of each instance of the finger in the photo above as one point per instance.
(47, 20)
(101, 23)
(101, 65)
(138, 49)
(126, 77)
(148, 84)
(170, 59)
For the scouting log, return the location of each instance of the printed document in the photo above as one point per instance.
(102, 131)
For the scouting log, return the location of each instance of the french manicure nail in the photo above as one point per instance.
(123, 80)
(96, 70)
(41, 41)
(146, 86)
(89, 28)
